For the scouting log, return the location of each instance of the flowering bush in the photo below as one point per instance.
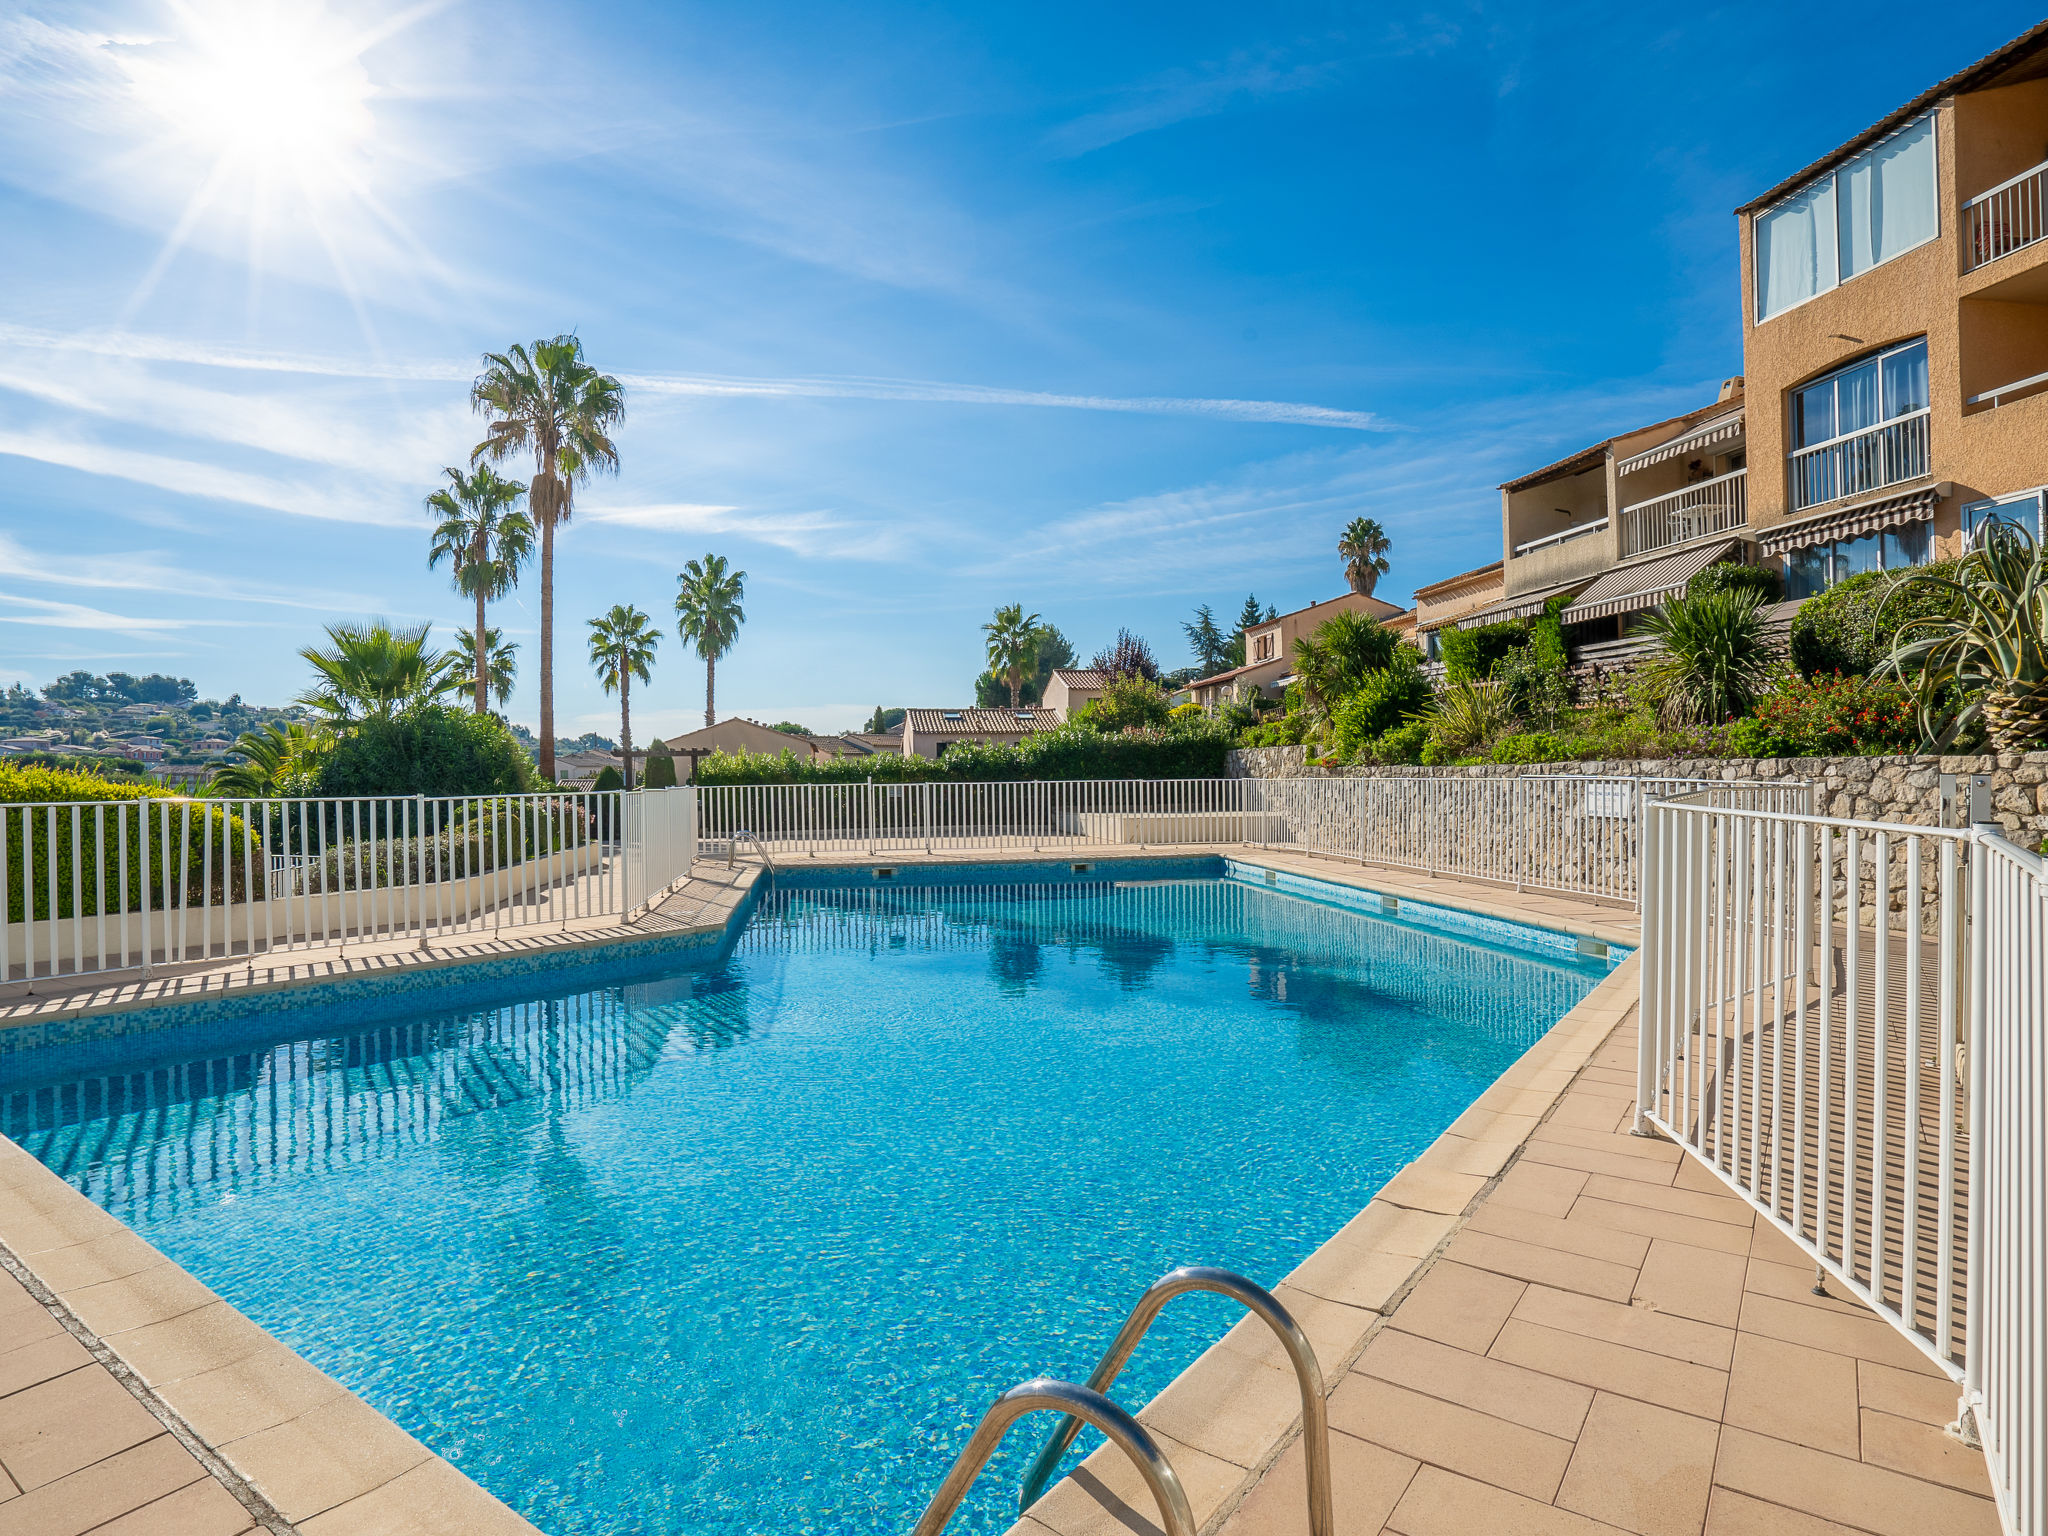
(1830, 716)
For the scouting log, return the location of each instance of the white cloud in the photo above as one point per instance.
(148, 571)
(1182, 95)
(803, 533)
(53, 615)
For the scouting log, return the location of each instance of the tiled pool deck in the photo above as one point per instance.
(1544, 1325)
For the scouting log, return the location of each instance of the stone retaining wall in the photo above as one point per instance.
(1901, 789)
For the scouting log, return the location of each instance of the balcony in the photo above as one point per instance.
(1550, 540)
(1712, 506)
(1865, 460)
(2010, 217)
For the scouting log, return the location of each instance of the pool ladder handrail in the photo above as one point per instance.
(1045, 1394)
(743, 835)
(1261, 1303)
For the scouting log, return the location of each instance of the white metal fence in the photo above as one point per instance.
(1719, 505)
(2008, 218)
(1844, 1020)
(111, 886)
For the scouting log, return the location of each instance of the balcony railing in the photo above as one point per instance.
(1711, 506)
(2010, 217)
(1861, 461)
(1578, 530)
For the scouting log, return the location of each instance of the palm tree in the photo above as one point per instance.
(1012, 647)
(708, 616)
(1334, 660)
(1988, 658)
(1716, 659)
(548, 401)
(622, 646)
(1364, 547)
(276, 756)
(485, 539)
(372, 670)
(501, 665)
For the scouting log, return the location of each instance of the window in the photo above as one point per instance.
(1814, 570)
(2023, 508)
(1879, 205)
(1861, 427)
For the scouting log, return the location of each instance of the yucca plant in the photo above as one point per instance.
(1988, 660)
(1466, 718)
(1714, 661)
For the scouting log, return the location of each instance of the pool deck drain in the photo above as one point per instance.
(1542, 1325)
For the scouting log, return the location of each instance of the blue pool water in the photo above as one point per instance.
(750, 1246)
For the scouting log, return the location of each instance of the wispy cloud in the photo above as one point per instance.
(804, 533)
(150, 571)
(55, 615)
(1181, 95)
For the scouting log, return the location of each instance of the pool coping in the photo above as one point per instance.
(330, 1464)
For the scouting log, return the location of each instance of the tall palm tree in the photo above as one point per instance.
(485, 539)
(548, 401)
(622, 646)
(1012, 647)
(501, 664)
(708, 615)
(372, 670)
(1364, 547)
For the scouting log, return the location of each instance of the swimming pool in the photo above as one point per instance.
(752, 1244)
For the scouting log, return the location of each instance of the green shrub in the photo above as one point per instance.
(610, 778)
(1726, 576)
(659, 770)
(1469, 654)
(1386, 699)
(1539, 687)
(1181, 750)
(1403, 744)
(1130, 702)
(1832, 716)
(1528, 747)
(1715, 659)
(1850, 627)
(429, 749)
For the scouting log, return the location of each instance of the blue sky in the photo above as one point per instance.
(1108, 310)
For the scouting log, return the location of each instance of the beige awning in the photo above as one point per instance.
(1630, 588)
(1720, 430)
(1524, 606)
(1849, 522)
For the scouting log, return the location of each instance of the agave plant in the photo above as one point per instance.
(1467, 717)
(1987, 660)
(1715, 659)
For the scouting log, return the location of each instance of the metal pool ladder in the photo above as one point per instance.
(744, 836)
(1079, 1404)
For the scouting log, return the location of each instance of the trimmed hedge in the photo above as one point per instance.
(1181, 750)
(429, 749)
(1849, 628)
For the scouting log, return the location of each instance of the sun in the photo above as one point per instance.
(263, 88)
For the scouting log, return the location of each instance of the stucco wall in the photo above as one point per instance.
(1901, 789)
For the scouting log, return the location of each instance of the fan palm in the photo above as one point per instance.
(279, 760)
(1334, 660)
(1715, 659)
(547, 400)
(501, 664)
(622, 646)
(709, 616)
(1364, 547)
(1989, 658)
(374, 670)
(1012, 648)
(485, 539)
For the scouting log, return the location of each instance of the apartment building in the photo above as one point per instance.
(1895, 330)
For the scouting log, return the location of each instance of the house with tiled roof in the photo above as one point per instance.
(931, 732)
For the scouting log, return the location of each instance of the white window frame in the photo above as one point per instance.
(1970, 511)
(1834, 234)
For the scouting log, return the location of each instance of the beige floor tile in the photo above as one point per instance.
(152, 1295)
(1701, 1283)
(1334, 1332)
(254, 1393)
(1609, 1164)
(1647, 1221)
(111, 1257)
(1637, 1327)
(326, 1456)
(1444, 1434)
(1642, 1468)
(1646, 1149)
(1864, 1337)
(1353, 1274)
(1418, 1188)
(1588, 1112)
(1736, 1514)
(1660, 1197)
(1455, 1154)
(52, 1355)
(1227, 1405)
(103, 1491)
(1769, 1243)
(1366, 1482)
(1874, 1499)
(27, 1327)
(1391, 1229)
(1544, 1266)
(201, 1340)
(1495, 1387)
(1906, 1394)
(1441, 1503)
(1923, 1451)
(1539, 1187)
(203, 1508)
(1585, 1239)
(1105, 1496)
(1459, 1306)
(1652, 1378)
(1477, 1124)
(69, 1422)
(433, 1499)
(1794, 1393)
(1692, 1175)
(1794, 1283)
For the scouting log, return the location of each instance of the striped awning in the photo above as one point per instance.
(1523, 606)
(1850, 522)
(1719, 430)
(1631, 588)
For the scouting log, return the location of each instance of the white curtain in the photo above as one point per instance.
(1886, 199)
(1795, 249)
